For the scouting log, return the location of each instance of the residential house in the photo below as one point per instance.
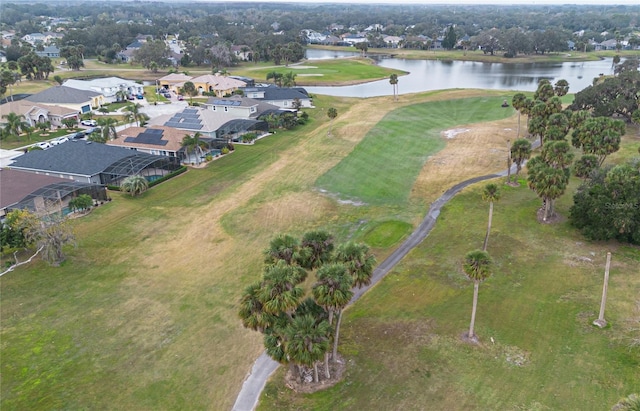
(35, 113)
(108, 87)
(49, 51)
(24, 190)
(209, 83)
(392, 41)
(210, 124)
(283, 97)
(353, 39)
(242, 107)
(158, 140)
(242, 52)
(80, 100)
(96, 163)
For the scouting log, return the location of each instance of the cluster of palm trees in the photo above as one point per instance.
(299, 325)
(282, 79)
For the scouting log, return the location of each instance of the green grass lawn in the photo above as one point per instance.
(402, 340)
(383, 168)
(342, 71)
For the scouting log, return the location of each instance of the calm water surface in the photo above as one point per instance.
(426, 75)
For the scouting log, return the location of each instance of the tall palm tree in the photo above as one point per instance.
(108, 125)
(307, 341)
(359, 263)
(134, 185)
(477, 267)
(520, 151)
(134, 114)
(393, 80)
(518, 102)
(490, 194)
(193, 144)
(333, 293)
(332, 113)
(190, 90)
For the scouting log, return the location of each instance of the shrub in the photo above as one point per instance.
(225, 150)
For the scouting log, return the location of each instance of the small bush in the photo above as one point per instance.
(508, 55)
(225, 150)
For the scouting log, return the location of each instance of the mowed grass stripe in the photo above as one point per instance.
(384, 166)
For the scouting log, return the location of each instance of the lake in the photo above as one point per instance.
(427, 75)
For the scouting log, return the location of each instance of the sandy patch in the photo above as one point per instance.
(454, 132)
(310, 75)
(303, 67)
(481, 149)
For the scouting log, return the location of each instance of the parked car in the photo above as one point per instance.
(59, 140)
(91, 123)
(139, 96)
(92, 130)
(180, 97)
(43, 145)
(79, 135)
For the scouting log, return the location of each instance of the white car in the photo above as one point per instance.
(59, 140)
(43, 145)
(90, 123)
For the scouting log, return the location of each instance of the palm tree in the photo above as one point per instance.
(393, 80)
(520, 151)
(134, 114)
(331, 113)
(518, 102)
(490, 194)
(333, 293)
(134, 185)
(108, 125)
(283, 247)
(121, 95)
(315, 249)
(289, 79)
(307, 341)
(359, 262)
(277, 77)
(280, 292)
(561, 87)
(14, 124)
(252, 310)
(477, 267)
(193, 144)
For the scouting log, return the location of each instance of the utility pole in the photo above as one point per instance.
(601, 322)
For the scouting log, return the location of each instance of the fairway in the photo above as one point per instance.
(384, 167)
(143, 314)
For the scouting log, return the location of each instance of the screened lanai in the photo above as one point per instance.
(149, 166)
(235, 128)
(57, 195)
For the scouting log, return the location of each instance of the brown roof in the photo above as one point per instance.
(23, 107)
(172, 136)
(16, 185)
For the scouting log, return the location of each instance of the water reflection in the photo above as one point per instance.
(427, 75)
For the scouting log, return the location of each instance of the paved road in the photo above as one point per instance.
(264, 366)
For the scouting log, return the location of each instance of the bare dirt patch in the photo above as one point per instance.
(471, 150)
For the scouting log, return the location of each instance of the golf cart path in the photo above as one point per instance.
(264, 366)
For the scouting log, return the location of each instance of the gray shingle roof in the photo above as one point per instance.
(282, 93)
(74, 157)
(62, 94)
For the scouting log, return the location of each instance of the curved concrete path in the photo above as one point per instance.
(264, 366)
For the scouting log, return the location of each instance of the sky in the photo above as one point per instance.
(451, 2)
